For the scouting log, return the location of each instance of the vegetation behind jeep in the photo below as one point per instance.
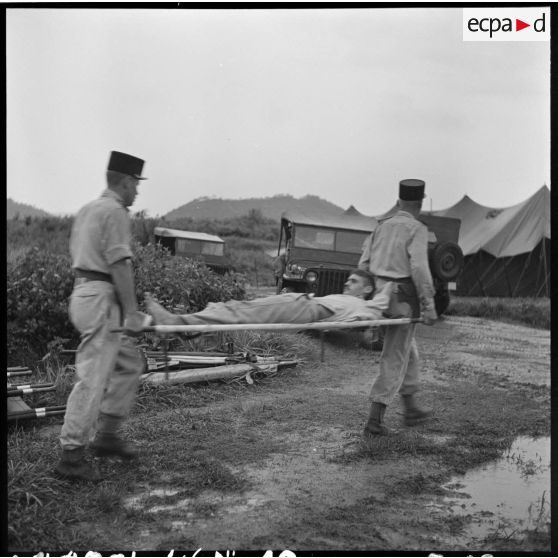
(315, 255)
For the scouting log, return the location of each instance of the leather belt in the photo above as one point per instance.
(398, 280)
(92, 275)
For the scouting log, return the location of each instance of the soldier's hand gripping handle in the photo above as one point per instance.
(135, 322)
(429, 315)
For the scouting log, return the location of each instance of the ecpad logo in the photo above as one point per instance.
(506, 24)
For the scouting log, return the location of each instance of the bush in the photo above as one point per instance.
(143, 228)
(50, 234)
(40, 284)
(181, 283)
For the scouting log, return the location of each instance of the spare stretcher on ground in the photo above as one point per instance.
(184, 367)
(17, 408)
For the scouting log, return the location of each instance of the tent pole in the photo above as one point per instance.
(488, 269)
(545, 281)
(522, 272)
(507, 276)
(478, 277)
(543, 246)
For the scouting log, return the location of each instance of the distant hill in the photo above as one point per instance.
(14, 208)
(216, 208)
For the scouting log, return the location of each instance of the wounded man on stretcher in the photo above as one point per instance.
(359, 301)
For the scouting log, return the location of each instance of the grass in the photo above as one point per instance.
(174, 449)
(532, 312)
(474, 432)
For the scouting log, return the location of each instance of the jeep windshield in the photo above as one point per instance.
(328, 239)
(193, 247)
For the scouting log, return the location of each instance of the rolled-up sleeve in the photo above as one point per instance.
(116, 236)
(420, 270)
(364, 262)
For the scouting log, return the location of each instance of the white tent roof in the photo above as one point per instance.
(505, 231)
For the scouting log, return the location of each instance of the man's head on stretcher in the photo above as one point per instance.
(360, 284)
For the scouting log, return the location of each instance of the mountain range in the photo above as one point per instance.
(217, 208)
(14, 208)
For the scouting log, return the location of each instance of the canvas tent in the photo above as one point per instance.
(507, 250)
(352, 210)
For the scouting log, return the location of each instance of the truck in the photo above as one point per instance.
(316, 253)
(206, 248)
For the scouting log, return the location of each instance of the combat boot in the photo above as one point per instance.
(108, 443)
(74, 466)
(375, 426)
(413, 413)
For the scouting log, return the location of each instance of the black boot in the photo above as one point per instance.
(375, 426)
(74, 466)
(107, 442)
(413, 413)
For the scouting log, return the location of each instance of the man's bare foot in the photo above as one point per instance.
(160, 315)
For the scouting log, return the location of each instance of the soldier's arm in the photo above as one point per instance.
(123, 279)
(116, 236)
(420, 273)
(364, 261)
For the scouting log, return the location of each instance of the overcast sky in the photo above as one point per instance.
(252, 103)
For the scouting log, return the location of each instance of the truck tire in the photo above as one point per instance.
(446, 261)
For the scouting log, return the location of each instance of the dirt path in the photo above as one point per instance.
(320, 491)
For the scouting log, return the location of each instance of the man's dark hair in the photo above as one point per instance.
(369, 277)
(114, 178)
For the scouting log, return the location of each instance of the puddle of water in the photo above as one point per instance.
(513, 491)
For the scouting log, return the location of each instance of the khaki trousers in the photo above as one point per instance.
(108, 365)
(293, 308)
(399, 362)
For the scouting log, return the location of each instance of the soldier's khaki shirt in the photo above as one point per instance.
(398, 248)
(101, 234)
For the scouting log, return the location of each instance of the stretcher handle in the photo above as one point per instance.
(323, 326)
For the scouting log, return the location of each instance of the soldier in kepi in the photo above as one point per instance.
(397, 251)
(108, 365)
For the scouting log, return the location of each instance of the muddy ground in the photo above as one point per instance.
(300, 478)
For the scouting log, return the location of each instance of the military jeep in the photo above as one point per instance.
(316, 254)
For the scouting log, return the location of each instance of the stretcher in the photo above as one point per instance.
(317, 326)
(17, 408)
(241, 370)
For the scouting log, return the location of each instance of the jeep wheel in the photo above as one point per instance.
(446, 261)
